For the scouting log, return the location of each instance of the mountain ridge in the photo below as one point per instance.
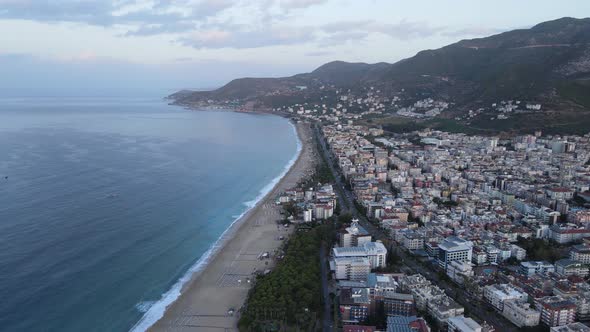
(548, 63)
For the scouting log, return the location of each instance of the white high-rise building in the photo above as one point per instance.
(375, 252)
(351, 268)
(354, 236)
(454, 249)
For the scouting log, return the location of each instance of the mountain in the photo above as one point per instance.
(547, 64)
(337, 73)
(344, 74)
(517, 64)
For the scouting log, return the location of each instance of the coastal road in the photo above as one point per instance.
(327, 322)
(473, 306)
(344, 198)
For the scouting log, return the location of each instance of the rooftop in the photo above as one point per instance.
(535, 264)
(354, 296)
(370, 248)
(505, 291)
(405, 324)
(352, 260)
(453, 243)
(566, 262)
(573, 327)
(356, 229)
(464, 323)
(381, 281)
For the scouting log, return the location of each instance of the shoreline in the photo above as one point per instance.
(229, 108)
(210, 272)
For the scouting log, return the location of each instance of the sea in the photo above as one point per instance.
(109, 204)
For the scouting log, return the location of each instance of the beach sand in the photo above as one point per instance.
(223, 283)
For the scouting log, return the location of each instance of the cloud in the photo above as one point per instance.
(402, 30)
(297, 4)
(473, 32)
(407, 30)
(343, 37)
(184, 59)
(122, 12)
(242, 37)
(157, 29)
(215, 24)
(91, 11)
(153, 17)
(338, 33)
(319, 53)
(143, 16)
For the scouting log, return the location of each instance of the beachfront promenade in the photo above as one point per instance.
(225, 282)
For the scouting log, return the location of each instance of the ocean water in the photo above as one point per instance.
(108, 204)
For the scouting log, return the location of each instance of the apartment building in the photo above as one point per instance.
(463, 324)
(536, 267)
(497, 294)
(568, 233)
(459, 271)
(567, 267)
(397, 304)
(520, 313)
(350, 268)
(410, 324)
(354, 305)
(443, 307)
(354, 236)
(573, 327)
(580, 253)
(413, 241)
(454, 249)
(556, 310)
(375, 252)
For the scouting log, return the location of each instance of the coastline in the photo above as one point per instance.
(229, 108)
(218, 280)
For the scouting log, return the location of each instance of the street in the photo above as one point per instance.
(327, 317)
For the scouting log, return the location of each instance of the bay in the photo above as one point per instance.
(106, 202)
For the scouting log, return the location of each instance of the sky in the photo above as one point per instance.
(95, 45)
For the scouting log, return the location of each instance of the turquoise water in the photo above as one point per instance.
(108, 202)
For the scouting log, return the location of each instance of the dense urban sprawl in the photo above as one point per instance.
(504, 222)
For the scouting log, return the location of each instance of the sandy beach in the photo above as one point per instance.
(224, 282)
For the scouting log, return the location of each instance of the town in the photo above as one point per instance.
(438, 231)
(337, 105)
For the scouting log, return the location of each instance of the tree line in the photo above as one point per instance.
(289, 296)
